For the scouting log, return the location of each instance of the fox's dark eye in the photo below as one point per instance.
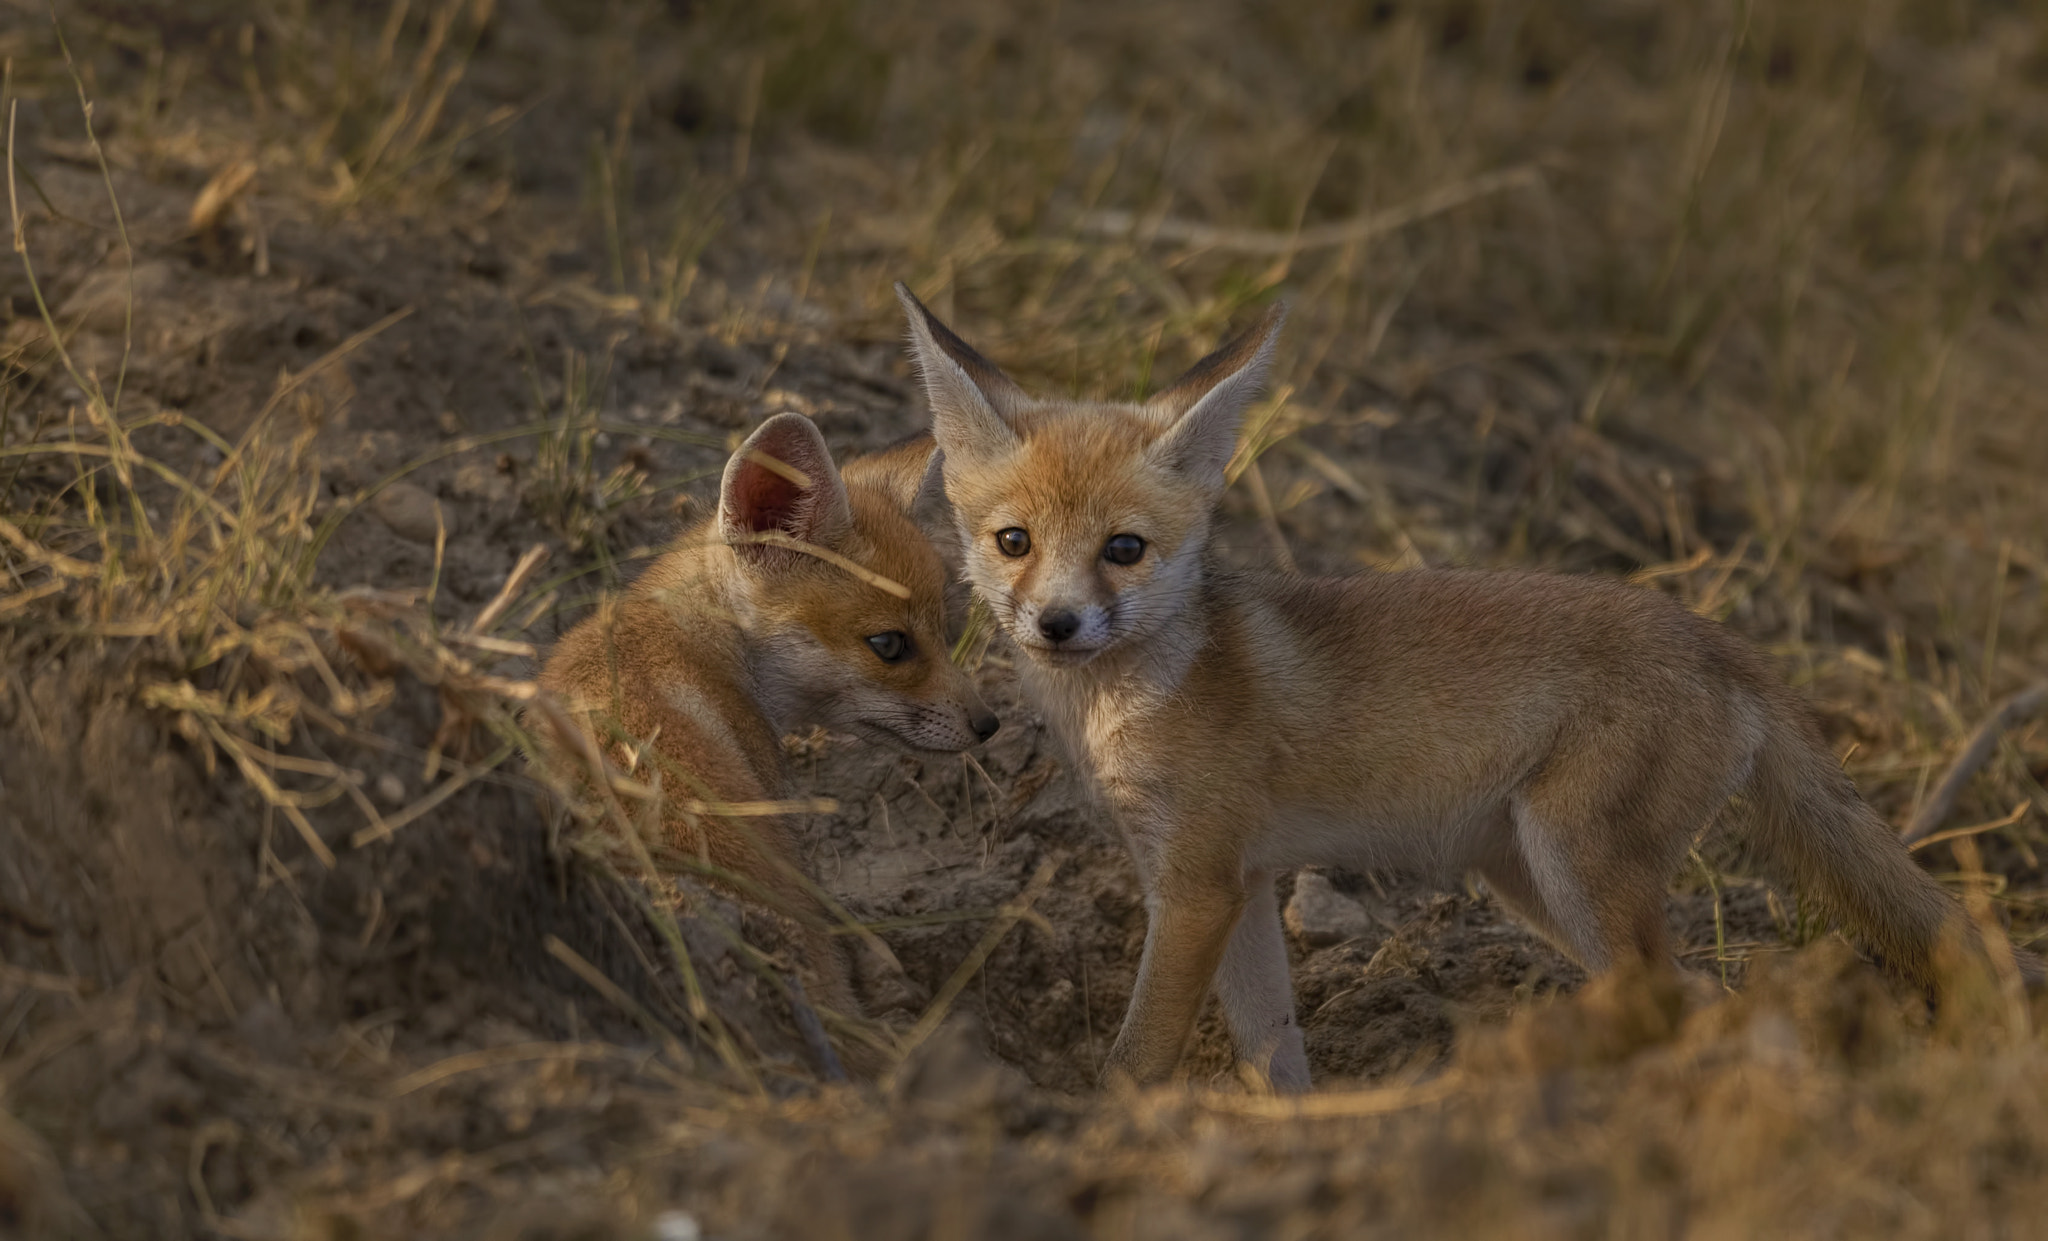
(1123, 549)
(893, 646)
(1014, 541)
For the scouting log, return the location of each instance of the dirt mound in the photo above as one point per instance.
(205, 1011)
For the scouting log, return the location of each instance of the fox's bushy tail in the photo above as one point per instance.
(1809, 823)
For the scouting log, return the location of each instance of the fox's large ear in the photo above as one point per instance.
(970, 396)
(929, 508)
(1206, 404)
(782, 480)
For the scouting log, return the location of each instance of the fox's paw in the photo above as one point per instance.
(885, 989)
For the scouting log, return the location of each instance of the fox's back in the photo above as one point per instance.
(661, 662)
(1337, 691)
(1445, 632)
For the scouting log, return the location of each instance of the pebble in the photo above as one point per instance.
(1321, 916)
(677, 1226)
(409, 510)
(103, 302)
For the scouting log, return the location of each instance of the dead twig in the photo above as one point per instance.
(1377, 1101)
(508, 593)
(1269, 517)
(494, 1057)
(448, 788)
(56, 562)
(1975, 829)
(220, 192)
(776, 538)
(1974, 756)
(36, 980)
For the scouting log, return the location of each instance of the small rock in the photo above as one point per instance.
(391, 789)
(1320, 916)
(677, 1226)
(478, 481)
(104, 301)
(411, 511)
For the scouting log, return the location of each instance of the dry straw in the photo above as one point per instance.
(242, 650)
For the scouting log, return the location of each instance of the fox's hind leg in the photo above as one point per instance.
(1605, 824)
(1507, 876)
(1257, 996)
(1598, 892)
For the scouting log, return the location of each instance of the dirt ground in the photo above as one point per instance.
(291, 945)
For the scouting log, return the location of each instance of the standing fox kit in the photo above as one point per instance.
(754, 626)
(1565, 737)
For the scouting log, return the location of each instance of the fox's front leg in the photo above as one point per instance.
(1190, 918)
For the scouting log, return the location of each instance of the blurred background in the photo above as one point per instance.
(1584, 281)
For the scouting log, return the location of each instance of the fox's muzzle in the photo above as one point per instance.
(1061, 630)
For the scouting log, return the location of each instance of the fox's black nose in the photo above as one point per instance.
(1058, 626)
(985, 725)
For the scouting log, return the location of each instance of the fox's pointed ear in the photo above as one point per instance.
(929, 508)
(1205, 404)
(970, 396)
(782, 481)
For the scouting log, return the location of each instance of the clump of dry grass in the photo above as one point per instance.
(209, 583)
(212, 582)
(1814, 1104)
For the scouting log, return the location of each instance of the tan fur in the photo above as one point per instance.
(1565, 737)
(722, 647)
(902, 471)
(911, 473)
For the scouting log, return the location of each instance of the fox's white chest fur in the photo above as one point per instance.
(1107, 717)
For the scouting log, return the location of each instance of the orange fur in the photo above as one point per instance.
(725, 645)
(1567, 738)
(910, 472)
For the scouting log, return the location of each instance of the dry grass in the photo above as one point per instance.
(1742, 299)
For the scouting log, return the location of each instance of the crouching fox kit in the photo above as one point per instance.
(810, 597)
(1564, 737)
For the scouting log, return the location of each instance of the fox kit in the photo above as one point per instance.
(1564, 737)
(752, 626)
